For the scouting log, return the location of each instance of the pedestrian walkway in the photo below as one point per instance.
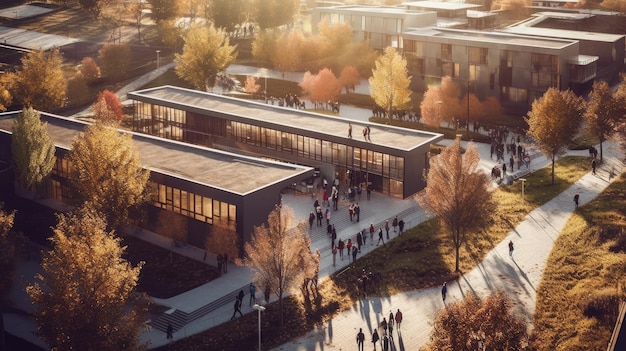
(518, 276)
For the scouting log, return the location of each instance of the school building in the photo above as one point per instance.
(391, 161)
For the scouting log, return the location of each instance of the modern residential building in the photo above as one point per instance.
(391, 161)
(194, 190)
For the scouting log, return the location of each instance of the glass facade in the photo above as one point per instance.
(384, 172)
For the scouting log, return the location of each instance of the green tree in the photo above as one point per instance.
(457, 192)
(164, 10)
(39, 81)
(33, 149)
(553, 120)
(115, 61)
(206, 52)
(229, 13)
(107, 173)
(85, 298)
(276, 254)
(604, 112)
(474, 324)
(389, 83)
(275, 13)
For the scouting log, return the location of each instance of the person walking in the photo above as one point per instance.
(593, 166)
(385, 342)
(252, 289)
(369, 192)
(311, 220)
(375, 337)
(511, 248)
(349, 130)
(364, 235)
(334, 251)
(444, 291)
(360, 339)
(354, 252)
(327, 216)
(169, 332)
(401, 226)
(380, 237)
(372, 230)
(394, 223)
(359, 240)
(333, 236)
(398, 319)
(237, 308)
(349, 247)
(340, 246)
(383, 325)
(387, 228)
(240, 296)
(576, 198)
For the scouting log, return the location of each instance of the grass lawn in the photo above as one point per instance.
(423, 257)
(577, 299)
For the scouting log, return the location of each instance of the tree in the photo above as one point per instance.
(474, 324)
(349, 77)
(6, 85)
(206, 52)
(441, 103)
(275, 13)
(604, 112)
(164, 10)
(94, 7)
(335, 37)
(389, 83)
(492, 108)
(33, 149)
(86, 297)
(115, 61)
(458, 192)
(39, 81)
(7, 266)
(276, 252)
(228, 13)
(476, 108)
(553, 120)
(108, 107)
(264, 46)
(321, 87)
(89, 70)
(107, 173)
(77, 91)
(286, 54)
(251, 86)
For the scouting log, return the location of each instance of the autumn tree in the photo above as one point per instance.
(94, 7)
(77, 91)
(251, 86)
(32, 147)
(89, 70)
(115, 61)
(6, 85)
(441, 103)
(263, 47)
(475, 324)
(458, 193)
(275, 253)
(334, 37)
(604, 112)
(108, 107)
(286, 54)
(228, 13)
(389, 83)
(223, 239)
(553, 120)
(349, 77)
(39, 81)
(163, 10)
(107, 173)
(321, 87)
(492, 108)
(85, 298)
(274, 13)
(206, 52)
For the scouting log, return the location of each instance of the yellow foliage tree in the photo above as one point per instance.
(39, 81)
(457, 192)
(389, 83)
(107, 173)
(553, 121)
(604, 112)
(86, 280)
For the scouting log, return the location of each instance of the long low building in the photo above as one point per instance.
(194, 189)
(391, 160)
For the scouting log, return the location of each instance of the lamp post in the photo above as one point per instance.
(523, 180)
(158, 63)
(260, 309)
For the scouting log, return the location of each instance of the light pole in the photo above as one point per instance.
(260, 309)
(523, 180)
(158, 63)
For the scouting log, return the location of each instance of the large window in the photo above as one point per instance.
(191, 205)
(477, 56)
(446, 52)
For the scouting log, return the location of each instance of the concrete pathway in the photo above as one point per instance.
(518, 276)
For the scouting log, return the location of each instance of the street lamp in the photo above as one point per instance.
(260, 309)
(158, 63)
(523, 180)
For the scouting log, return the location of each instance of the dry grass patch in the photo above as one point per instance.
(578, 295)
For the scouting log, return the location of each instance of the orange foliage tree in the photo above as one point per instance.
(108, 107)
(349, 78)
(89, 70)
(321, 87)
(441, 103)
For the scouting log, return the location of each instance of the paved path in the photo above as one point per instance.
(519, 276)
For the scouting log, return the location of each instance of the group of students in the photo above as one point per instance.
(386, 330)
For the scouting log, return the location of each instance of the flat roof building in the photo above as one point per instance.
(391, 160)
(197, 187)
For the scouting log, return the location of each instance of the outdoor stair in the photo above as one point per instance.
(176, 318)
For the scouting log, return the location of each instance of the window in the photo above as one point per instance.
(477, 56)
(446, 52)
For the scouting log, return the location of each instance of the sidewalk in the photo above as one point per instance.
(518, 277)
